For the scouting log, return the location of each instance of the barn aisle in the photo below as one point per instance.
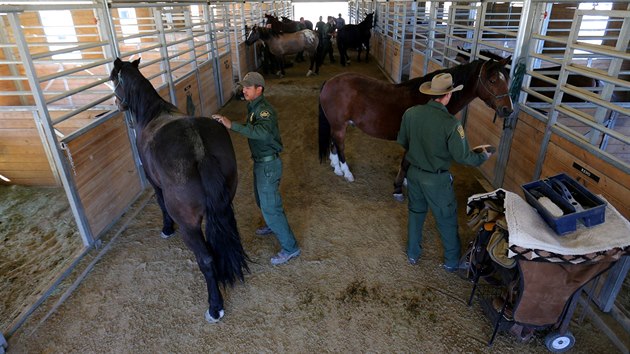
(351, 290)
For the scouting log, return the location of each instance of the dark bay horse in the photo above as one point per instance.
(190, 163)
(376, 107)
(278, 26)
(545, 88)
(355, 36)
(306, 25)
(287, 43)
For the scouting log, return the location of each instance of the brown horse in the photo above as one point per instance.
(287, 43)
(377, 107)
(543, 87)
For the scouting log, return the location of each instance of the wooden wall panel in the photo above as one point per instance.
(208, 92)
(105, 172)
(433, 67)
(389, 57)
(524, 151)
(22, 156)
(225, 67)
(480, 129)
(417, 65)
(613, 184)
(185, 90)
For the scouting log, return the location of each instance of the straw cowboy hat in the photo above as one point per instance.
(441, 84)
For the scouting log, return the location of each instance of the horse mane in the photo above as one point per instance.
(140, 96)
(461, 74)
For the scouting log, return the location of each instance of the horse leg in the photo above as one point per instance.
(367, 52)
(359, 52)
(338, 138)
(280, 73)
(168, 226)
(398, 182)
(310, 69)
(334, 159)
(194, 239)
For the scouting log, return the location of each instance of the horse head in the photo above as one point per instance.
(493, 86)
(253, 35)
(119, 87)
(463, 55)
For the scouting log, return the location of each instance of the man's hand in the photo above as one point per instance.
(488, 150)
(223, 120)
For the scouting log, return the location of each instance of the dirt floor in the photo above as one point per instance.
(351, 290)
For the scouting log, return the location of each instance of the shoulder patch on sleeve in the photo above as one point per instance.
(265, 114)
(460, 130)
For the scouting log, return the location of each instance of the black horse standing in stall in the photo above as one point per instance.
(355, 36)
(190, 162)
(306, 25)
(377, 107)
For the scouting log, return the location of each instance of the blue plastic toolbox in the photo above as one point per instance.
(576, 202)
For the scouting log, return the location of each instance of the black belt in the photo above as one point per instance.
(265, 158)
(436, 172)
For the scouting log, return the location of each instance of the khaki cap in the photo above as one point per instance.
(252, 78)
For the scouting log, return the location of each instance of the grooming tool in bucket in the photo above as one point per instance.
(562, 201)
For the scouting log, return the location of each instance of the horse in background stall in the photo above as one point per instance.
(306, 25)
(573, 79)
(376, 107)
(282, 27)
(190, 163)
(355, 36)
(287, 43)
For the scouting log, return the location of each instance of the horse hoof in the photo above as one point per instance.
(399, 197)
(211, 319)
(165, 236)
(338, 172)
(349, 178)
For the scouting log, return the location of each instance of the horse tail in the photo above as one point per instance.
(324, 130)
(222, 237)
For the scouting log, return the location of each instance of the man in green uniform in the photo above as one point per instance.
(263, 136)
(433, 138)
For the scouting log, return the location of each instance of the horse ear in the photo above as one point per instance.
(503, 62)
(135, 63)
(117, 63)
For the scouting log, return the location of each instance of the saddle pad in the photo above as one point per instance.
(528, 230)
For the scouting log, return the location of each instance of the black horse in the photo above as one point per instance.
(190, 163)
(306, 25)
(355, 36)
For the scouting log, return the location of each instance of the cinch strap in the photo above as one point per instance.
(265, 158)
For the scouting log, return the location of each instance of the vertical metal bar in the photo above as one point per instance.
(108, 32)
(168, 76)
(557, 98)
(520, 47)
(49, 134)
(613, 70)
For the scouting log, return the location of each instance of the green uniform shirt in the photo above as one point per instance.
(261, 128)
(433, 138)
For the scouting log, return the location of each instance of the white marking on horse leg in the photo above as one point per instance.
(399, 197)
(211, 319)
(309, 73)
(334, 163)
(346, 172)
(165, 236)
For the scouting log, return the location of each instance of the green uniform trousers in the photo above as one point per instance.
(266, 189)
(433, 191)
